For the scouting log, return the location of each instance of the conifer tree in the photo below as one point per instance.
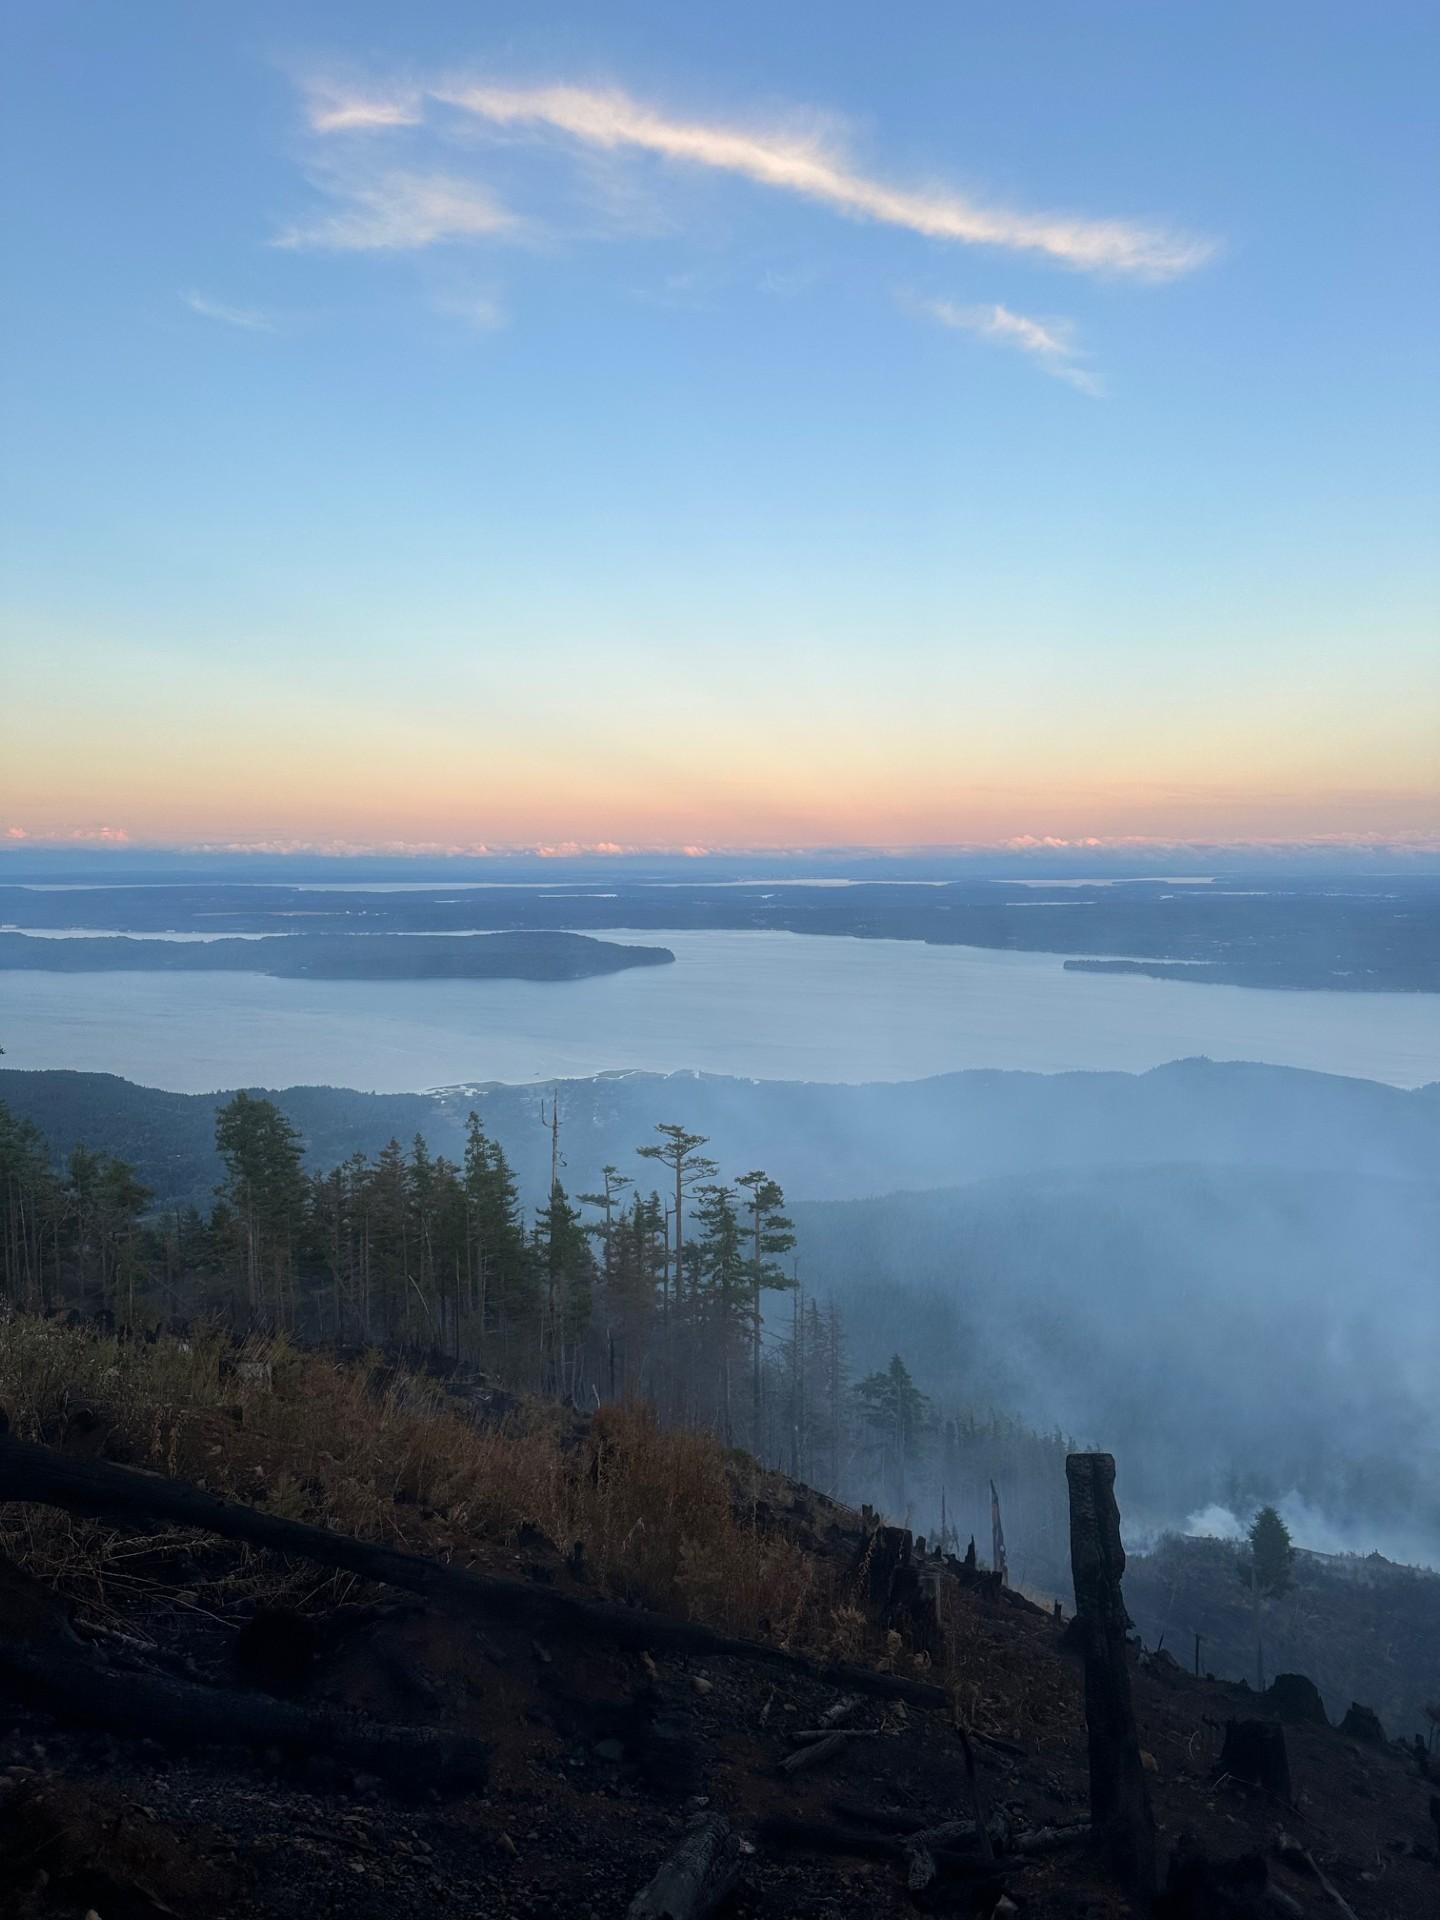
(895, 1411)
(1267, 1568)
(265, 1187)
(770, 1234)
(564, 1257)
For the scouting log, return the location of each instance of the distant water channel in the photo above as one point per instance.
(777, 1006)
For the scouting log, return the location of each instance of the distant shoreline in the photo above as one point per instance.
(542, 956)
(1300, 932)
(1279, 975)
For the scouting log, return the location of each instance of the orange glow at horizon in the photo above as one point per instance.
(172, 756)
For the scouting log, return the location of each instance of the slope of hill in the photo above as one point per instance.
(1360, 1627)
(586, 1756)
(1181, 1265)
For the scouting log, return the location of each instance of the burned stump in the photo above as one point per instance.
(1296, 1698)
(900, 1594)
(1120, 1812)
(1198, 1887)
(1363, 1723)
(1255, 1754)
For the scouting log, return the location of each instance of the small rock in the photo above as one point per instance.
(701, 1684)
(1149, 1762)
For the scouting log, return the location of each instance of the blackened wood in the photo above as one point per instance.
(696, 1877)
(153, 1706)
(93, 1487)
(977, 1803)
(818, 1836)
(1051, 1839)
(815, 1754)
(1255, 1752)
(1119, 1798)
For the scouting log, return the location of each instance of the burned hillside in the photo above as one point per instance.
(617, 1647)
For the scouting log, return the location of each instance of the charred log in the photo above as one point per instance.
(817, 1836)
(95, 1488)
(155, 1707)
(696, 1877)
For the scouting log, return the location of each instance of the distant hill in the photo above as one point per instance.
(1361, 1628)
(821, 1141)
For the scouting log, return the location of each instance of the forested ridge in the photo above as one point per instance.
(821, 1141)
(340, 956)
(671, 1284)
(1077, 1224)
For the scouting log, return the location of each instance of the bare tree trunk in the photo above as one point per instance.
(1119, 1800)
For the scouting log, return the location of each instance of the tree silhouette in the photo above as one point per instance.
(1267, 1568)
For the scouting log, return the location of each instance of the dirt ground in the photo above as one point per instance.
(599, 1758)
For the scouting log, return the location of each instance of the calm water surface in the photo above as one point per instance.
(759, 1004)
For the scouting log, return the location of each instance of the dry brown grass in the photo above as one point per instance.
(665, 1518)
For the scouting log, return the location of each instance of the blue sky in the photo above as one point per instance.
(635, 424)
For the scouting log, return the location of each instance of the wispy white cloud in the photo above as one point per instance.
(248, 319)
(333, 110)
(1048, 342)
(482, 312)
(812, 166)
(398, 210)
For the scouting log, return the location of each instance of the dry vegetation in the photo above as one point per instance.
(664, 1518)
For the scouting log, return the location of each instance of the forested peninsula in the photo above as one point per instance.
(341, 956)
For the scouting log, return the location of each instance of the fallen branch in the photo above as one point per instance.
(811, 1756)
(33, 1473)
(977, 1804)
(997, 1745)
(815, 1836)
(153, 1706)
(695, 1878)
(1329, 1889)
(1051, 1839)
(887, 1819)
(837, 1715)
(915, 1832)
